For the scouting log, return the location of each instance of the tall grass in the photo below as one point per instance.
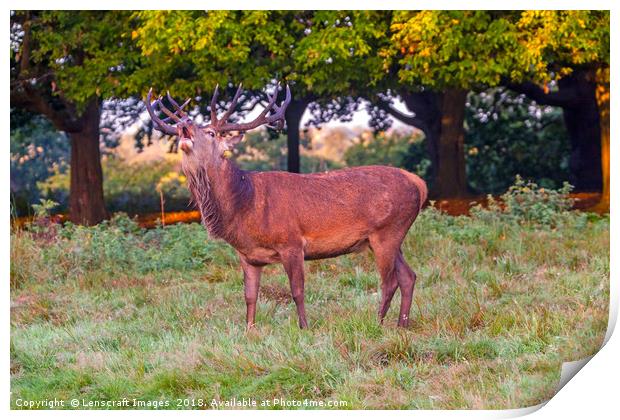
(115, 311)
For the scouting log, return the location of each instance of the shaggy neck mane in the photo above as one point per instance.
(221, 194)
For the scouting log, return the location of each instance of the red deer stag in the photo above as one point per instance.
(281, 217)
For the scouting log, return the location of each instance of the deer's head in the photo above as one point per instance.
(211, 143)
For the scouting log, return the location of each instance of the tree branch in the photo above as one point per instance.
(423, 104)
(412, 120)
(562, 98)
(24, 59)
(23, 96)
(32, 86)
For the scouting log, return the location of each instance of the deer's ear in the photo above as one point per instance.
(234, 140)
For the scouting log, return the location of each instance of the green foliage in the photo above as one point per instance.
(563, 39)
(506, 135)
(56, 188)
(89, 53)
(470, 49)
(99, 53)
(526, 202)
(338, 55)
(395, 149)
(120, 245)
(456, 48)
(322, 52)
(133, 188)
(173, 186)
(44, 208)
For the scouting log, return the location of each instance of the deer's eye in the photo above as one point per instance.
(211, 133)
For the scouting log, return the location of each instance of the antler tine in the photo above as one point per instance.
(233, 104)
(287, 100)
(168, 119)
(214, 105)
(262, 119)
(272, 101)
(278, 115)
(280, 111)
(159, 124)
(174, 103)
(166, 111)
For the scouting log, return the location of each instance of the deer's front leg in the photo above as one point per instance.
(293, 262)
(251, 282)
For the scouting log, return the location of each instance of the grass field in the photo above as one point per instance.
(114, 311)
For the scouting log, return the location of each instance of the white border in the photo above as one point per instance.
(592, 392)
(319, 4)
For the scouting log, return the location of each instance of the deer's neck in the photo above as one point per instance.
(222, 194)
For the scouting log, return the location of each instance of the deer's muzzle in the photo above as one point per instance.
(186, 145)
(185, 142)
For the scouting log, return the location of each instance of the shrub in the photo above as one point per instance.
(172, 185)
(44, 208)
(119, 245)
(526, 202)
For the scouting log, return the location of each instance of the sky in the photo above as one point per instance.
(360, 118)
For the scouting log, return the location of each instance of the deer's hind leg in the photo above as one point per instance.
(386, 254)
(406, 281)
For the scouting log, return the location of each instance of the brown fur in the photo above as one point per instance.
(280, 217)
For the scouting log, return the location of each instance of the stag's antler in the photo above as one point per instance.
(222, 124)
(162, 125)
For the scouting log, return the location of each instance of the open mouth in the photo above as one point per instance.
(185, 142)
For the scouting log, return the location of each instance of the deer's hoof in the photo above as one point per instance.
(403, 322)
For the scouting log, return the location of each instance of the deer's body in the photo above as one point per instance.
(279, 217)
(324, 214)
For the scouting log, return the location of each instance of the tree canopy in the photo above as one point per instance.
(67, 58)
(325, 53)
(470, 49)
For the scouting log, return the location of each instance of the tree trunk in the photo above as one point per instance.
(424, 106)
(293, 115)
(440, 115)
(86, 191)
(450, 176)
(576, 95)
(602, 98)
(582, 122)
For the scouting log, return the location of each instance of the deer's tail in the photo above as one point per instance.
(420, 184)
